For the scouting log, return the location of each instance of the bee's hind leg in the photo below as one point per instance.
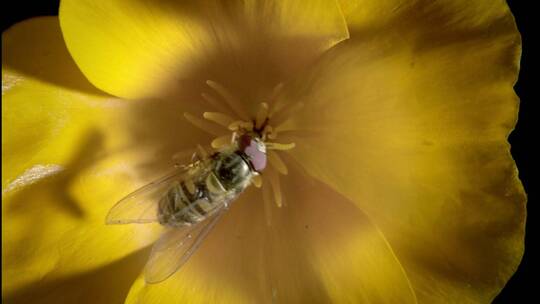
(201, 155)
(180, 158)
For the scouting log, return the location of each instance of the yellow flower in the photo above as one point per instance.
(400, 187)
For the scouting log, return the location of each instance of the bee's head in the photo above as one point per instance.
(255, 149)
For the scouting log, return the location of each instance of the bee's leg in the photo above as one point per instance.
(181, 157)
(234, 137)
(202, 154)
(195, 157)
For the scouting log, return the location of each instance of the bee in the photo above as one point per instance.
(190, 201)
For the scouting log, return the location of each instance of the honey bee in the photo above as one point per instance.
(190, 201)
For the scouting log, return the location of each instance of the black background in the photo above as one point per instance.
(520, 288)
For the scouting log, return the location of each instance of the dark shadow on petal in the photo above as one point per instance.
(29, 204)
(36, 48)
(108, 284)
(58, 185)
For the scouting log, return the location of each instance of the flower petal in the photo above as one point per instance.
(318, 249)
(65, 163)
(135, 48)
(411, 123)
(107, 284)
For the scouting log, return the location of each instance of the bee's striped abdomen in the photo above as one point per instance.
(185, 203)
(190, 201)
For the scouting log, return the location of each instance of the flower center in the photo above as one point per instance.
(230, 121)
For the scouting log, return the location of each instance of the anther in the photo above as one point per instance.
(257, 180)
(219, 118)
(279, 147)
(221, 141)
(241, 125)
(203, 124)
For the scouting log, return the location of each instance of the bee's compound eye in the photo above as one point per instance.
(256, 156)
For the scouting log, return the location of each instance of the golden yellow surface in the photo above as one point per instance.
(400, 187)
(65, 163)
(411, 123)
(133, 49)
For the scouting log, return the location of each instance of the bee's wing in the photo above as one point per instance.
(176, 246)
(141, 206)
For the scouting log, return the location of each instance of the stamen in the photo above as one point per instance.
(267, 129)
(198, 154)
(267, 199)
(234, 103)
(277, 104)
(277, 162)
(216, 104)
(257, 180)
(203, 125)
(273, 177)
(287, 125)
(269, 132)
(181, 156)
(262, 115)
(279, 147)
(276, 91)
(241, 125)
(202, 152)
(219, 118)
(260, 124)
(284, 114)
(221, 141)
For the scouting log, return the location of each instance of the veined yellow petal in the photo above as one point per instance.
(68, 154)
(409, 119)
(34, 112)
(319, 249)
(132, 48)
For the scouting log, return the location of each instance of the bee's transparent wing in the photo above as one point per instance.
(141, 206)
(176, 246)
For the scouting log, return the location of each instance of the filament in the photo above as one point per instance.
(267, 199)
(284, 114)
(277, 162)
(203, 125)
(287, 125)
(262, 115)
(216, 104)
(219, 118)
(273, 177)
(234, 103)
